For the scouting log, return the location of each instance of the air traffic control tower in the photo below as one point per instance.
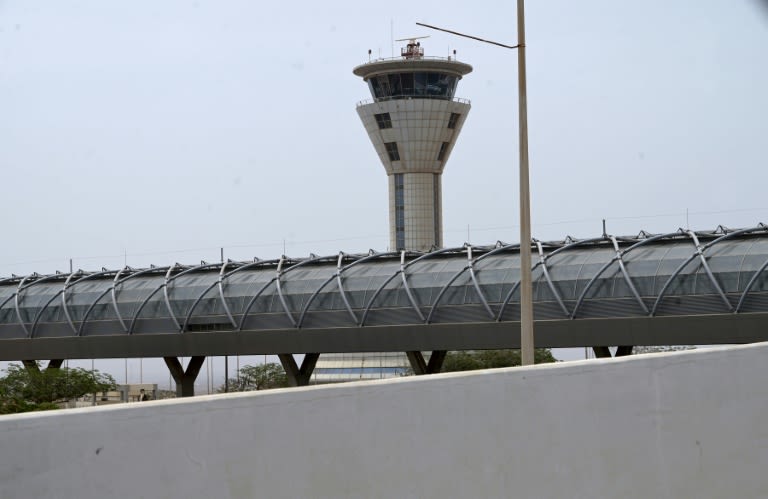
(414, 121)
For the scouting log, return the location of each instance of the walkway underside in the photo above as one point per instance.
(673, 330)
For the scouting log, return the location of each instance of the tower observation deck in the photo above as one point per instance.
(413, 122)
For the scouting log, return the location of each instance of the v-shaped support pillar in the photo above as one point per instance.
(605, 353)
(31, 365)
(420, 366)
(298, 376)
(185, 380)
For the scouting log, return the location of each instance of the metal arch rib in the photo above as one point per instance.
(119, 281)
(508, 298)
(113, 293)
(16, 304)
(64, 294)
(565, 247)
(442, 292)
(63, 304)
(169, 279)
(470, 267)
(11, 296)
(220, 284)
(404, 266)
(389, 279)
(40, 312)
(22, 287)
(543, 261)
(477, 284)
(280, 290)
(88, 312)
(252, 301)
(146, 300)
(376, 294)
(337, 275)
(167, 298)
(256, 263)
(279, 273)
(407, 288)
(514, 286)
(372, 256)
(751, 283)
(620, 257)
(258, 293)
(221, 294)
(343, 293)
(700, 253)
(760, 227)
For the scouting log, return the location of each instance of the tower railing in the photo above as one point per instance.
(418, 58)
(365, 102)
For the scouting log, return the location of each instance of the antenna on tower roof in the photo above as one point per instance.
(413, 49)
(411, 38)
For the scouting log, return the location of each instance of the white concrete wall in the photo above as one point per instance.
(691, 424)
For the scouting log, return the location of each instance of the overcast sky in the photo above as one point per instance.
(160, 131)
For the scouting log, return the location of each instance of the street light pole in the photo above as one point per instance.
(526, 281)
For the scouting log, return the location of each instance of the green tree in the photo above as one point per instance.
(260, 377)
(491, 359)
(24, 390)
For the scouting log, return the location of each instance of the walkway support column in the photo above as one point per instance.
(185, 380)
(605, 352)
(31, 365)
(298, 376)
(420, 366)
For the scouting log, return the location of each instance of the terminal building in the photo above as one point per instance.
(413, 120)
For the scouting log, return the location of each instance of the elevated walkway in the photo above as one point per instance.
(684, 287)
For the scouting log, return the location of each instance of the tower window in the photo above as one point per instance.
(383, 120)
(453, 120)
(394, 154)
(443, 150)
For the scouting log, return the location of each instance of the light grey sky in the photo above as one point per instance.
(153, 132)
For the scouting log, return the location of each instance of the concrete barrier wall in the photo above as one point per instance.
(691, 424)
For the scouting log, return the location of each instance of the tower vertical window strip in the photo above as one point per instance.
(436, 203)
(399, 212)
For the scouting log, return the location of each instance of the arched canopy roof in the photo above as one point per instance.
(682, 273)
